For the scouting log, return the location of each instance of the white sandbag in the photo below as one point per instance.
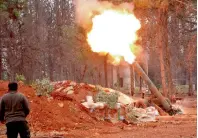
(124, 99)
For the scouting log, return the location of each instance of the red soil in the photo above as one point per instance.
(46, 114)
(67, 116)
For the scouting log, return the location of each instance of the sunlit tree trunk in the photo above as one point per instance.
(169, 73)
(163, 24)
(161, 51)
(171, 89)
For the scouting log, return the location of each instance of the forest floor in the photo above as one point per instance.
(64, 119)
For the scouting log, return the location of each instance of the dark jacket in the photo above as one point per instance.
(13, 107)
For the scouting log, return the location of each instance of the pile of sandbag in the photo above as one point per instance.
(138, 115)
(78, 91)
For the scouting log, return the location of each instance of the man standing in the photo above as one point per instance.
(14, 109)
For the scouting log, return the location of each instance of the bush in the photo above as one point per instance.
(132, 117)
(109, 98)
(19, 77)
(4, 76)
(43, 87)
(158, 86)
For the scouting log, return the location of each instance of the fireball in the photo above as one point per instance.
(114, 32)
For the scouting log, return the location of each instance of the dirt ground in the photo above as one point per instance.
(65, 119)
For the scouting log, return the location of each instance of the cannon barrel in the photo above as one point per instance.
(164, 101)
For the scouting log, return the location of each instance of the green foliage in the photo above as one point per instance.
(16, 13)
(4, 75)
(132, 117)
(175, 111)
(158, 86)
(132, 114)
(137, 89)
(109, 98)
(12, 7)
(19, 77)
(43, 87)
(182, 88)
(3, 7)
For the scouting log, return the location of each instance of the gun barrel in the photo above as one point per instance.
(164, 101)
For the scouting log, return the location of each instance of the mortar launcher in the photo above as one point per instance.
(163, 100)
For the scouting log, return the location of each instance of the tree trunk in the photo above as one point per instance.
(99, 77)
(161, 51)
(51, 68)
(140, 88)
(171, 88)
(191, 62)
(1, 46)
(132, 76)
(83, 73)
(145, 67)
(112, 78)
(1, 68)
(105, 71)
(190, 82)
(118, 76)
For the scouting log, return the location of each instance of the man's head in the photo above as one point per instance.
(12, 86)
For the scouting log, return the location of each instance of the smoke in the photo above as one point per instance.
(86, 9)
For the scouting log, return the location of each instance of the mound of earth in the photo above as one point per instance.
(51, 114)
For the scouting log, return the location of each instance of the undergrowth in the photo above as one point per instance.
(43, 87)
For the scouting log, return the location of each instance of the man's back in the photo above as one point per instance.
(15, 107)
(13, 110)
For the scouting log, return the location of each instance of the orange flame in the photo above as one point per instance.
(114, 32)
